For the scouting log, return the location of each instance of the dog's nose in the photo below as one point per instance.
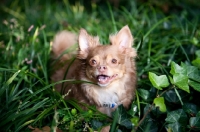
(102, 68)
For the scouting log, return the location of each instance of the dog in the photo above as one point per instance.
(107, 73)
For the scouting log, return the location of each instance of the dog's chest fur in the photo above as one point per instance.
(105, 96)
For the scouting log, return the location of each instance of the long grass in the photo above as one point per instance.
(27, 95)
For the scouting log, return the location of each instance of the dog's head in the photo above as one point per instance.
(104, 64)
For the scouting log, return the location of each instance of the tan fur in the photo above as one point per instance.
(110, 68)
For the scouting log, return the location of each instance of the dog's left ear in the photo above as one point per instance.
(123, 38)
(86, 42)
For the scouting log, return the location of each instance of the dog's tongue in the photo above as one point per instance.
(103, 79)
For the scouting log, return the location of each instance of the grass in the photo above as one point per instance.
(27, 96)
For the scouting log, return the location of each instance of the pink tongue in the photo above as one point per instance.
(103, 79)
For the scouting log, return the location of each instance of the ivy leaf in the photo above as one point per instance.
(122, 117)
(174, 127)
(149, 125)
(175, 68)
(147, 95)
(194, 85)
(191, 109)
(196, 62)
(159, 102)
(197, 53)
(171, 96)
(195, 123)
(96, 124)
(192, 72)
(198, 114)
(133, 110)
(171, 80)
(158, 82)
(177, 116)
(181, 81)
(135, 120)
(143, 93)
(147, 108)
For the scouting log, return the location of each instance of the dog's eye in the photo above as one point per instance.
(93, 62)
(114, 61)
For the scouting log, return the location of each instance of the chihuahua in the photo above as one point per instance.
(106, 74)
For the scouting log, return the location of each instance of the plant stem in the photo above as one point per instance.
(140, 122)
(166, 90)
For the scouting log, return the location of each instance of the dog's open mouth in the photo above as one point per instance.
(103, 80)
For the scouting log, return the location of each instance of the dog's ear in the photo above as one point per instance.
(83, 40)
(86, 42)
(123, 38)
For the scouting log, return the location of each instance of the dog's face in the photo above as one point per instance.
(105, 64)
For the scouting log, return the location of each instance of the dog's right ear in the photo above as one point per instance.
(85, 42)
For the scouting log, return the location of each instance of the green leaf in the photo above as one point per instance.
(21, 55)
(66, 118)
(135, 120)
(171, 80)
(177, 116)
(196, 62)
(149, 125)
(197, 53)
(73, 111)
(181, 81)
(133, 110)
(35, 34)
(191, 109)
(171, 96)
(61, 112)
(175, 127)
(159, 102)
(147, 108)
(192, 72)
(96, 124)
(143, 93)
(195, 123)
(175, 68)
(194, 85)
(158, 82)
(198, 114)
(10, 80)
(122, 117)
(195, 41)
